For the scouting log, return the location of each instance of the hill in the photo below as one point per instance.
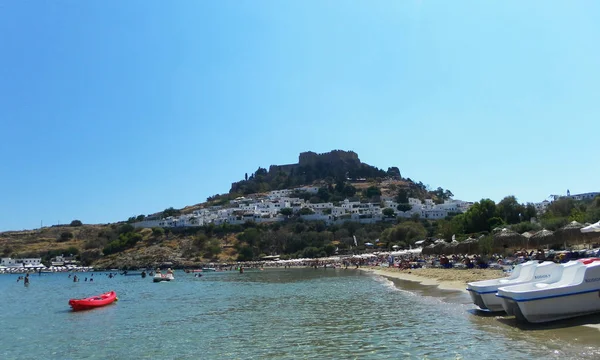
(330, 167)
(338, 174)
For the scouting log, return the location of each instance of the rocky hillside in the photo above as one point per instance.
(334, 166)
(339, 175)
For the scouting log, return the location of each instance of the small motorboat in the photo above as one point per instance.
(483, 293)
(94, 301)
(572, 290)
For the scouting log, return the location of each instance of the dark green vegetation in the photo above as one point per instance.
(486, 215)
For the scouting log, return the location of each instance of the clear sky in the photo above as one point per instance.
(110, 109)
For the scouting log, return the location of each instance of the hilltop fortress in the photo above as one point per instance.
(309, 158)
(338, 165)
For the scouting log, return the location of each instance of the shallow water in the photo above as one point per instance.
(276, 313)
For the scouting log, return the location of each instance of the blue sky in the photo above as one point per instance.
(110, 109)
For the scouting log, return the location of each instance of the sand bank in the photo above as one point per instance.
(447, 279)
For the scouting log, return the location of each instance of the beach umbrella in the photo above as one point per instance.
(507, 238)
(450, 248)
(570, 232)
(543, 237)
(395, 247)
(591, 228)
(467, 246)
(428, 250)
(369, 244)
(438, 247)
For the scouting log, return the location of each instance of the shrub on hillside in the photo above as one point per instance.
(125, 241)
(76, 223)
(65, 236)
(158, 231)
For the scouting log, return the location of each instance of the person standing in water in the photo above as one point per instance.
(26, 281)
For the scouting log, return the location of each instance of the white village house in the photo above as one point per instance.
(267, 208)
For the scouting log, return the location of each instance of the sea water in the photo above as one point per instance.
(270, 314)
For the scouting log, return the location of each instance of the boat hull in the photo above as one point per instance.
(93, 302)
(486, 301)
(483, 293)
(555, 308)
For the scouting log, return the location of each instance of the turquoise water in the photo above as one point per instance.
(271, 314)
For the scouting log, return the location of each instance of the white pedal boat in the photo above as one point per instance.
(483, 293)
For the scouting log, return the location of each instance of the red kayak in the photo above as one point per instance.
(94, 301)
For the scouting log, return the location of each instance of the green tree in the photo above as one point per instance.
(286, 212)
(158, 231)
(529, 212)
(250, 236)
(407, 232)
(76, 223)
(403, 207)
(372, 191)
(245, 253)
(170, 212)
(329, 249)
(577, 215)
(509, 210)
(125, 228)
(65, 236)
(200, 241)
(349, 190)
(478, 216)
(402, 196)
(388, 212)
(213, 248)
(561, 207)
(306, 211)
(323, 194)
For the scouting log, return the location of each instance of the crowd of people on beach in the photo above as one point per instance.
(405, 261)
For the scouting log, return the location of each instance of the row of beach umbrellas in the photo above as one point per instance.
(574, 232)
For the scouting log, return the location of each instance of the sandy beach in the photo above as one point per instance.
(455, 279)
(448, 279)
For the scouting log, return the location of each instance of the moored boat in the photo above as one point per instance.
(93, 302)
(573, 290)
(483, 293)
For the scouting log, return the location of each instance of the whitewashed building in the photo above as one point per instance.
(25, 262)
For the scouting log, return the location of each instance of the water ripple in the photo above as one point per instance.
(273, 314)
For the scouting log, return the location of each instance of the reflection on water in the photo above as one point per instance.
(276, 313)
(577, 337)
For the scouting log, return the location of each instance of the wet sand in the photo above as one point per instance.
(449, 279)
(450, 284)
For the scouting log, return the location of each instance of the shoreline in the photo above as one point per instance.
(436, 277)
(444, 279)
